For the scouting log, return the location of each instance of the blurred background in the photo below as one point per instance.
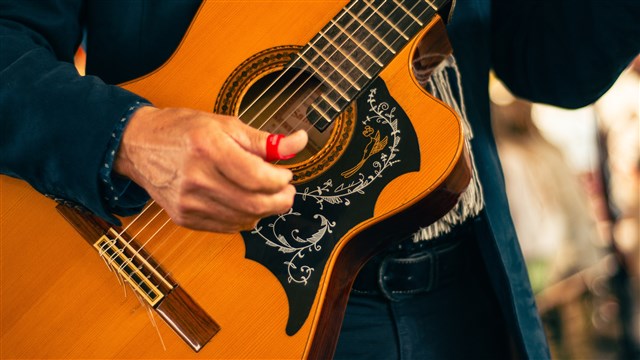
(573, 184)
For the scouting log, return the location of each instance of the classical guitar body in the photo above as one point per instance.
(380, 147)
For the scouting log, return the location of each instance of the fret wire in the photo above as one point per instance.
(264, 92)
(349, 36)
(408, 12)
(328, 118)
(432, 5)
(328, 61)
(323, 34)
(333, 85)
(359, 44)
(366, 27)
(344, 31)
(355, 63)
(330, 102)
(337, 26)
(376, 10)
(322, 113)
(300, 56)
(316, 118)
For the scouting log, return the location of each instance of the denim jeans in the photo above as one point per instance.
(459, 320)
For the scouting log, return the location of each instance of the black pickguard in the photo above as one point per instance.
(296, 246)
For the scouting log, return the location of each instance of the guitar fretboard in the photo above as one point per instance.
(356, 45)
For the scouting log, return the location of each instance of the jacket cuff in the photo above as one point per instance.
(121, 195)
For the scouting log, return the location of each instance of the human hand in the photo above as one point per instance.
(206, 170)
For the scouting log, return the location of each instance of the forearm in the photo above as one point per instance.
(55, 124)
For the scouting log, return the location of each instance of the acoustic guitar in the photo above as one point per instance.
(384, 158)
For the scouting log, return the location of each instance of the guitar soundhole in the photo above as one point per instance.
(281, 102)
(285, 101)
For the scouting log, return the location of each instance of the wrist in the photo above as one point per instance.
(123, 162)
(118, 192)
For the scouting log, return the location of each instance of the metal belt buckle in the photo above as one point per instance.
(397, 295)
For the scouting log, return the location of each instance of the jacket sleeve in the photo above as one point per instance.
(566, 53)
(55, 124)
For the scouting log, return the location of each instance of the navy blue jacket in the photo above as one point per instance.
(55, 125)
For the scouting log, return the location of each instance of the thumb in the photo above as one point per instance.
(273, 147)
(280, 147)
(257, 141)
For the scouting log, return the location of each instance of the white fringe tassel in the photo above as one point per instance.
(471, 202)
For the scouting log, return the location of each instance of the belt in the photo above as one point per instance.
(411, 268)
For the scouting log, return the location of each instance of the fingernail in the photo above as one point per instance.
(287, 157)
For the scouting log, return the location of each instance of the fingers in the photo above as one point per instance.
(257, 142)
(293, 143)
(227, 218)
(250, 172)
(248, 158)
(290, 147)
(209, 201)
(207, 171)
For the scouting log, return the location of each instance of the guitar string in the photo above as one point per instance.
(282, 73)
(124, 230)
(334, 24)
(369, 34)
(307, 66)
(367, 6)
(161, 244)
(301, 103)
(137, 251)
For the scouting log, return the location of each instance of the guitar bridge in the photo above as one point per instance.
(132, 267)
(146, 278)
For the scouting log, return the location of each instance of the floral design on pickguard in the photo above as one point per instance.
(384, 152)
(296, 245)
(380, 113)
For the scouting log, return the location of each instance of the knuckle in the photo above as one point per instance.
(182, 210)
(252, 224)
(196, 144)
(189, 185)
(180, 219)
(288, 197)
(249, 224)
(252, 180)
(257, 206)
(287, 204)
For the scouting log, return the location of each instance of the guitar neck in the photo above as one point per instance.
(357, 44)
